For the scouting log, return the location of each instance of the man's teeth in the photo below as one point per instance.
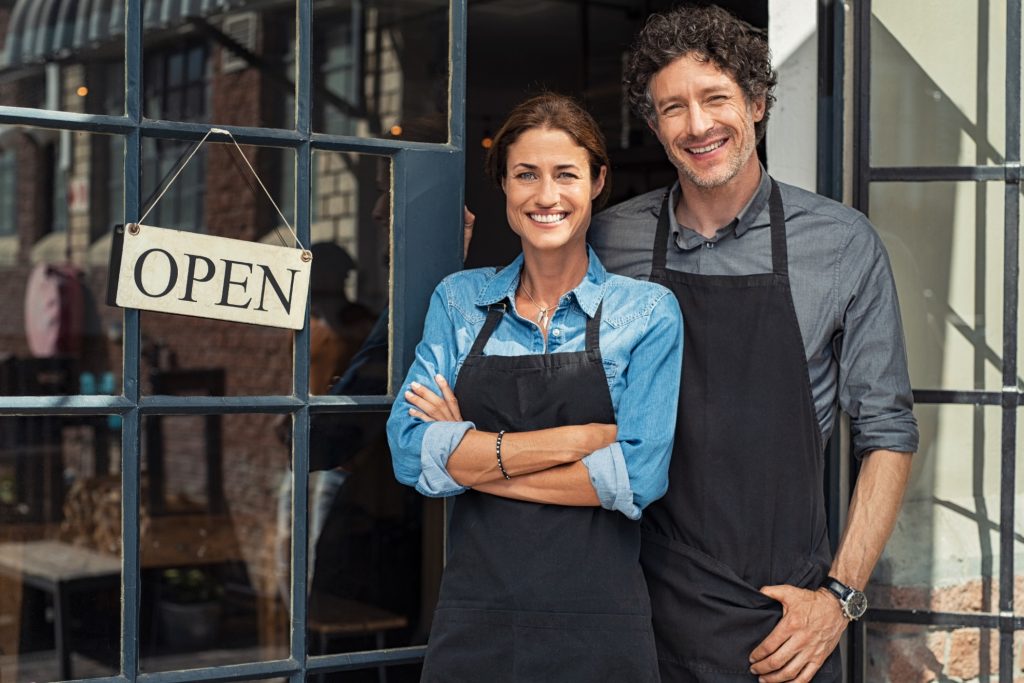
(547, 217)
(708, 148)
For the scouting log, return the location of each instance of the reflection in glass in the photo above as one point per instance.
(899, 653)
(381, 69)
(950, 94)
(62, 55)
(60, 195)
(210, 585)
(375, 547)
(945, 241)
(60, 547)
(944, 553)
(216, 194)
(349, 291)
(224, 63)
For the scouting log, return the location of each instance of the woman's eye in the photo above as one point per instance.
(526, 175)
(566, 175)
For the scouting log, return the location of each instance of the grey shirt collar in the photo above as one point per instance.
(687, 238)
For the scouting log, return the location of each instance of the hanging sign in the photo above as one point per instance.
(174, 271)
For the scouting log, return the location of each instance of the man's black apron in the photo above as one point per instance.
(745, 505)
(535, 593)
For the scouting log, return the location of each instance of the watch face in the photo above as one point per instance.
(856, 605)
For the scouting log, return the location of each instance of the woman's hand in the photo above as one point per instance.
(430, 407)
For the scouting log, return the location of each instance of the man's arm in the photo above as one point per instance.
(812, 621)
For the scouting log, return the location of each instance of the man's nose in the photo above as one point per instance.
(700, 121)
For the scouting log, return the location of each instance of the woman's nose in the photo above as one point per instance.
(547, 192)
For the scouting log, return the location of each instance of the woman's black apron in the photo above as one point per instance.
(745, 504)
(535, 593)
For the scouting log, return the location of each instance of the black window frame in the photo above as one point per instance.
(427, 198)
(1010, 398)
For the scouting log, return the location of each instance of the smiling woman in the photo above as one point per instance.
(550, 423)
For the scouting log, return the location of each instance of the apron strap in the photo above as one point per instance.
(494, 314)
(776, 213)
(780, 260)
(661, 237)
(594, 331)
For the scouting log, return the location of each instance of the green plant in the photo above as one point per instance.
(190, 586)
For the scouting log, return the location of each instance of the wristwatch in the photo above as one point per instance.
(853, 602)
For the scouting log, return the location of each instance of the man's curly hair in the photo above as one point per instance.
(709, 34)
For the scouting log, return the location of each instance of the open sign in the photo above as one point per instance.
(172, 271)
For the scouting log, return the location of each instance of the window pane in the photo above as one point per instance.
(949, 93)
(945, 241)
(60, 547)
(381, 69)
(944, 553)
(209, 518)
(217, 65)
(351, 216)
(899, 653)
(375, 546)
(63, 55)
(60, 195)
(216, 194)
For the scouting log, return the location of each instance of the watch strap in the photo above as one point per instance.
(837, 588)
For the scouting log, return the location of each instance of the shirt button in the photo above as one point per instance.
(556, 332)
(709, 245)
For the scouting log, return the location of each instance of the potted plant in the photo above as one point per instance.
(189, 608)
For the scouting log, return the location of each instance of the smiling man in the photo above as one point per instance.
(790, 310)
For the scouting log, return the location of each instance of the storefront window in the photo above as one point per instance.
(60, 547)
(382, 69)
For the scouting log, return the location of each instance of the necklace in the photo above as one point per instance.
(542, 311)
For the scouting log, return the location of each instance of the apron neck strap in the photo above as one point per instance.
(494, 313)
(594, 330)
(661, 235)
(780, 259)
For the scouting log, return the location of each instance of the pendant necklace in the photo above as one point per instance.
(542, 311)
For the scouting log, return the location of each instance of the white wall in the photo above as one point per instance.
(793, 127)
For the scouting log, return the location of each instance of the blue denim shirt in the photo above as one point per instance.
(641, 345)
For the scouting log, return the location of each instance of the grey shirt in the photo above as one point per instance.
(843, 291)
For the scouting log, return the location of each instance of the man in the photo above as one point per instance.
(790, 306)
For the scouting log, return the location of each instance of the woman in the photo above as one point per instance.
(545, 355)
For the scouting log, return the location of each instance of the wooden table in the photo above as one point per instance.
(60, 569)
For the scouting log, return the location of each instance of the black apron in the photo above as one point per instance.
(745, 506)
(535, 593)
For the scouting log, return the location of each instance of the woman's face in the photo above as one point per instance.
(548, 190)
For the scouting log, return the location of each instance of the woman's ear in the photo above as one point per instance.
(598, 183)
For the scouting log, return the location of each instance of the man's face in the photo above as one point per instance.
(704, 121)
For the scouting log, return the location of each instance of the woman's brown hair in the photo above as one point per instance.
(555, 112)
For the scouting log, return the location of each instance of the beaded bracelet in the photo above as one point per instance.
(497, 449)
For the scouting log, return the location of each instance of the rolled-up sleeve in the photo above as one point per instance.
(645, 415)
(420, 450)
(874, 383)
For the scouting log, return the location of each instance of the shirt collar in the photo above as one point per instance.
(588, 293)
(747, 219)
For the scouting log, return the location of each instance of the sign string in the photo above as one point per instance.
(256, 175)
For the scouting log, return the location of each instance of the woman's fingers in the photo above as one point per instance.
(428, 403)
(449, 398)
(420, 415)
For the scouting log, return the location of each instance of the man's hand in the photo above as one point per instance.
(468, 221)
(811, 625)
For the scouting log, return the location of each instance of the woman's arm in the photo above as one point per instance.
(562, 485)
(474, 461)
